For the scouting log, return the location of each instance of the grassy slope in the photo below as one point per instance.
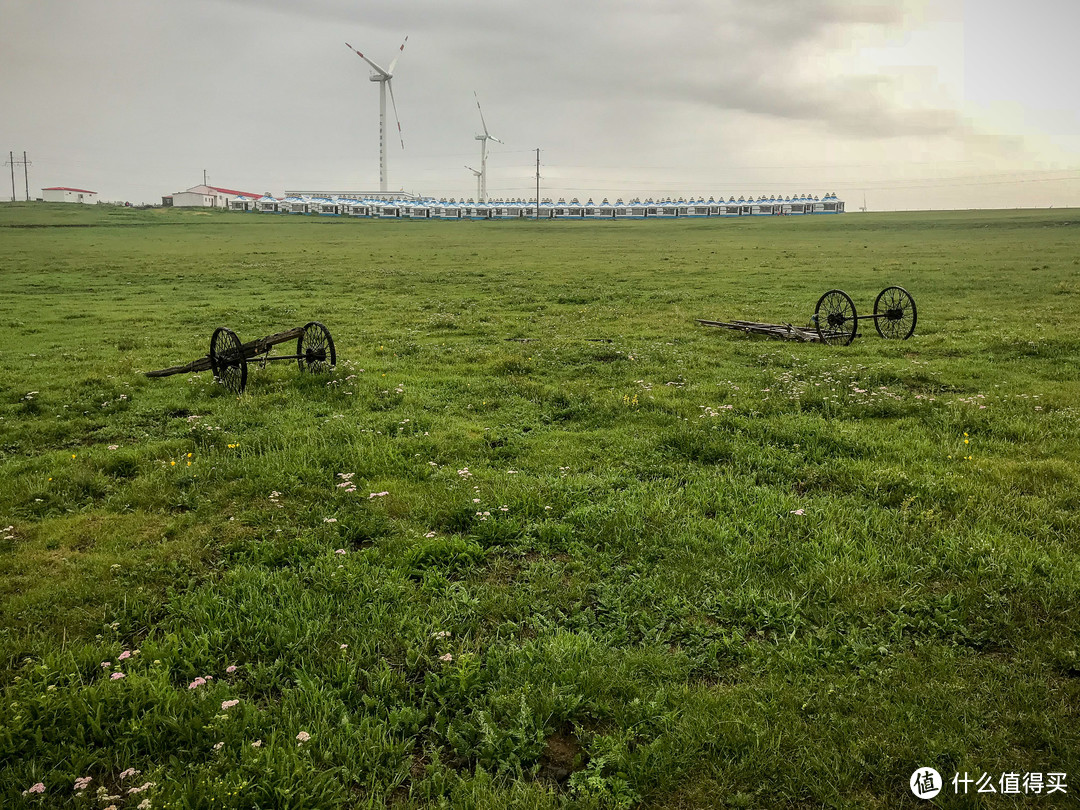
(641, 618)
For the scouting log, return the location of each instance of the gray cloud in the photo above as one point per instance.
(143, 96)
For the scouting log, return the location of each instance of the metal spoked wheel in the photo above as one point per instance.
(315, 349)
(895, 313)
(227, 360)
(835, 318)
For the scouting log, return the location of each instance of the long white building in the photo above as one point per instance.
(206, 197)
(65, 194)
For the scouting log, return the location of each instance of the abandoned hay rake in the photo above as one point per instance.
(835, 321)
(228, 357)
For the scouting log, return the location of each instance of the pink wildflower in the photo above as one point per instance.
(117, 676)
(228, 704)
(124, 656)
(797, 512)
(257, 744)
(340, 551)
(106, 664)
(83, 782)
(195, 684)
(229, 670)
(303, 736)
(37, 787)
(446, 659)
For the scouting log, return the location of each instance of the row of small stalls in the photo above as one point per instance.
(412, 209)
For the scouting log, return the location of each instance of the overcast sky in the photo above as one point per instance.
(912, 103)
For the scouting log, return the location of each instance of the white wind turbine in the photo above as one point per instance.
(479, 176)
(482, 177)
(383, 77)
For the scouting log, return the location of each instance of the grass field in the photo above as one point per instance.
(541, 540)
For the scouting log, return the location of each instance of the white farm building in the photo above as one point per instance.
(206, 197)
(64, 194)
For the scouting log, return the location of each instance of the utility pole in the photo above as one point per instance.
(538, 184)
(12, 162)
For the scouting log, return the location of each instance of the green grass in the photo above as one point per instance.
(593, 510)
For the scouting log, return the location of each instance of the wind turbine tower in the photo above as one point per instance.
(482, 178)
(383, 77)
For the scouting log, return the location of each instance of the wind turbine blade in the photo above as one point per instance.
(375, 67)
(390, 87)
(481, 114)
(399, 50)
(493, 138)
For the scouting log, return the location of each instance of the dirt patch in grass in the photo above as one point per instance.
(563, 755)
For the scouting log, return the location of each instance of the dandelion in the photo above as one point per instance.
(230, 669)
(171, 463)
(303, 736)
(117, 676)
(228, 704)
(447, 658)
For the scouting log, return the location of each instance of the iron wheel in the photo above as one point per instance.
(896, 313)
(835, 318)
(315, 349)
(227, 360)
